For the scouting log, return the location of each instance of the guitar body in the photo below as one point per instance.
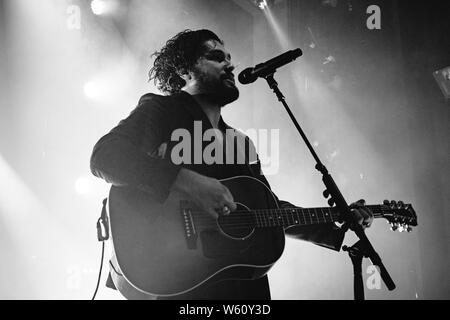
(166, 249)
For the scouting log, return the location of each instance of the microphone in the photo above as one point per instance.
(250, 75)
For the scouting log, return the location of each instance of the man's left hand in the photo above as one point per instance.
(361, 214)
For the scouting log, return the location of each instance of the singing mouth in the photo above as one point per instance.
(229, 78)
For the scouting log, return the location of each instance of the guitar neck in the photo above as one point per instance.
(303, 216)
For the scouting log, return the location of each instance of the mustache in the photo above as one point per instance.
(228, 76)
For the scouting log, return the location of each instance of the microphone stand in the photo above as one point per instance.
(363, 247)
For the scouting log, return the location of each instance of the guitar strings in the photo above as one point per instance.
(285, 212)
(236, 220)
(263, 215)
(275, 217)
(201, 219)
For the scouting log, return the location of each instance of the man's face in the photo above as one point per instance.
(214, 74)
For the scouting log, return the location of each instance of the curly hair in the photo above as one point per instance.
(177, 57)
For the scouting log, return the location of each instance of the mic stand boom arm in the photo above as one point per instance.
(337, 198)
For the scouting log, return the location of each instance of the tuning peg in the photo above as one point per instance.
(386, 202)
(326, 193)
(409, 229)
(393, 204)
(400, 205)
(394, 226)
(331, 202)
(401, 228)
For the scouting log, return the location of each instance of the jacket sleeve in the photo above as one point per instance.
(124, 156)
(326, 235)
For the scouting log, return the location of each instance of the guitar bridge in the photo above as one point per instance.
(188, 225)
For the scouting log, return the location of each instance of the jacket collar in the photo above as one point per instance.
(196, 111)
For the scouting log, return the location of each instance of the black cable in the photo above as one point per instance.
(100, 271)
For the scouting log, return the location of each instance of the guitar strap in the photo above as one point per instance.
(103, 235)
(103, 224)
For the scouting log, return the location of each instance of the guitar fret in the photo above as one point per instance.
(314, 216)
(270, 219)
(303, 219)
(286, 221)
(258, 224)
(281, 217)
(274, 219)
(300, 216)
(266, 218)
(327, 214)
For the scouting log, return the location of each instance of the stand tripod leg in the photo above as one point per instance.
(356, 255)
(358, 284)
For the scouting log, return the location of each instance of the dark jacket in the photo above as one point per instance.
(137, 153)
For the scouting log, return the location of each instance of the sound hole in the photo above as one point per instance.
(239, 224)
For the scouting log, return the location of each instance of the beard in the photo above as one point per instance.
(218, 90)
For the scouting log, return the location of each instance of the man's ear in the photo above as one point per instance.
(185, 75)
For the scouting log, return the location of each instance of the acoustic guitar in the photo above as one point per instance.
(170, 248)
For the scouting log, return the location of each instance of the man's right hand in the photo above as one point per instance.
(207, 193)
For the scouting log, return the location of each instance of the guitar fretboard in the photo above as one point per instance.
(301, 216)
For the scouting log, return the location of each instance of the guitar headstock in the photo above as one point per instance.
(401, 216)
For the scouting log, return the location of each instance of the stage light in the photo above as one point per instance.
(90, 89)
(99, 7)
(90, 186)
(83, 185)
(96, 90)
(281, 35)
(265, 5)
(102, 7)
(262, 4)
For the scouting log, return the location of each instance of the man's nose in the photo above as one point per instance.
(229, 67)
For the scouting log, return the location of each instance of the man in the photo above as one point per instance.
(194, 69)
